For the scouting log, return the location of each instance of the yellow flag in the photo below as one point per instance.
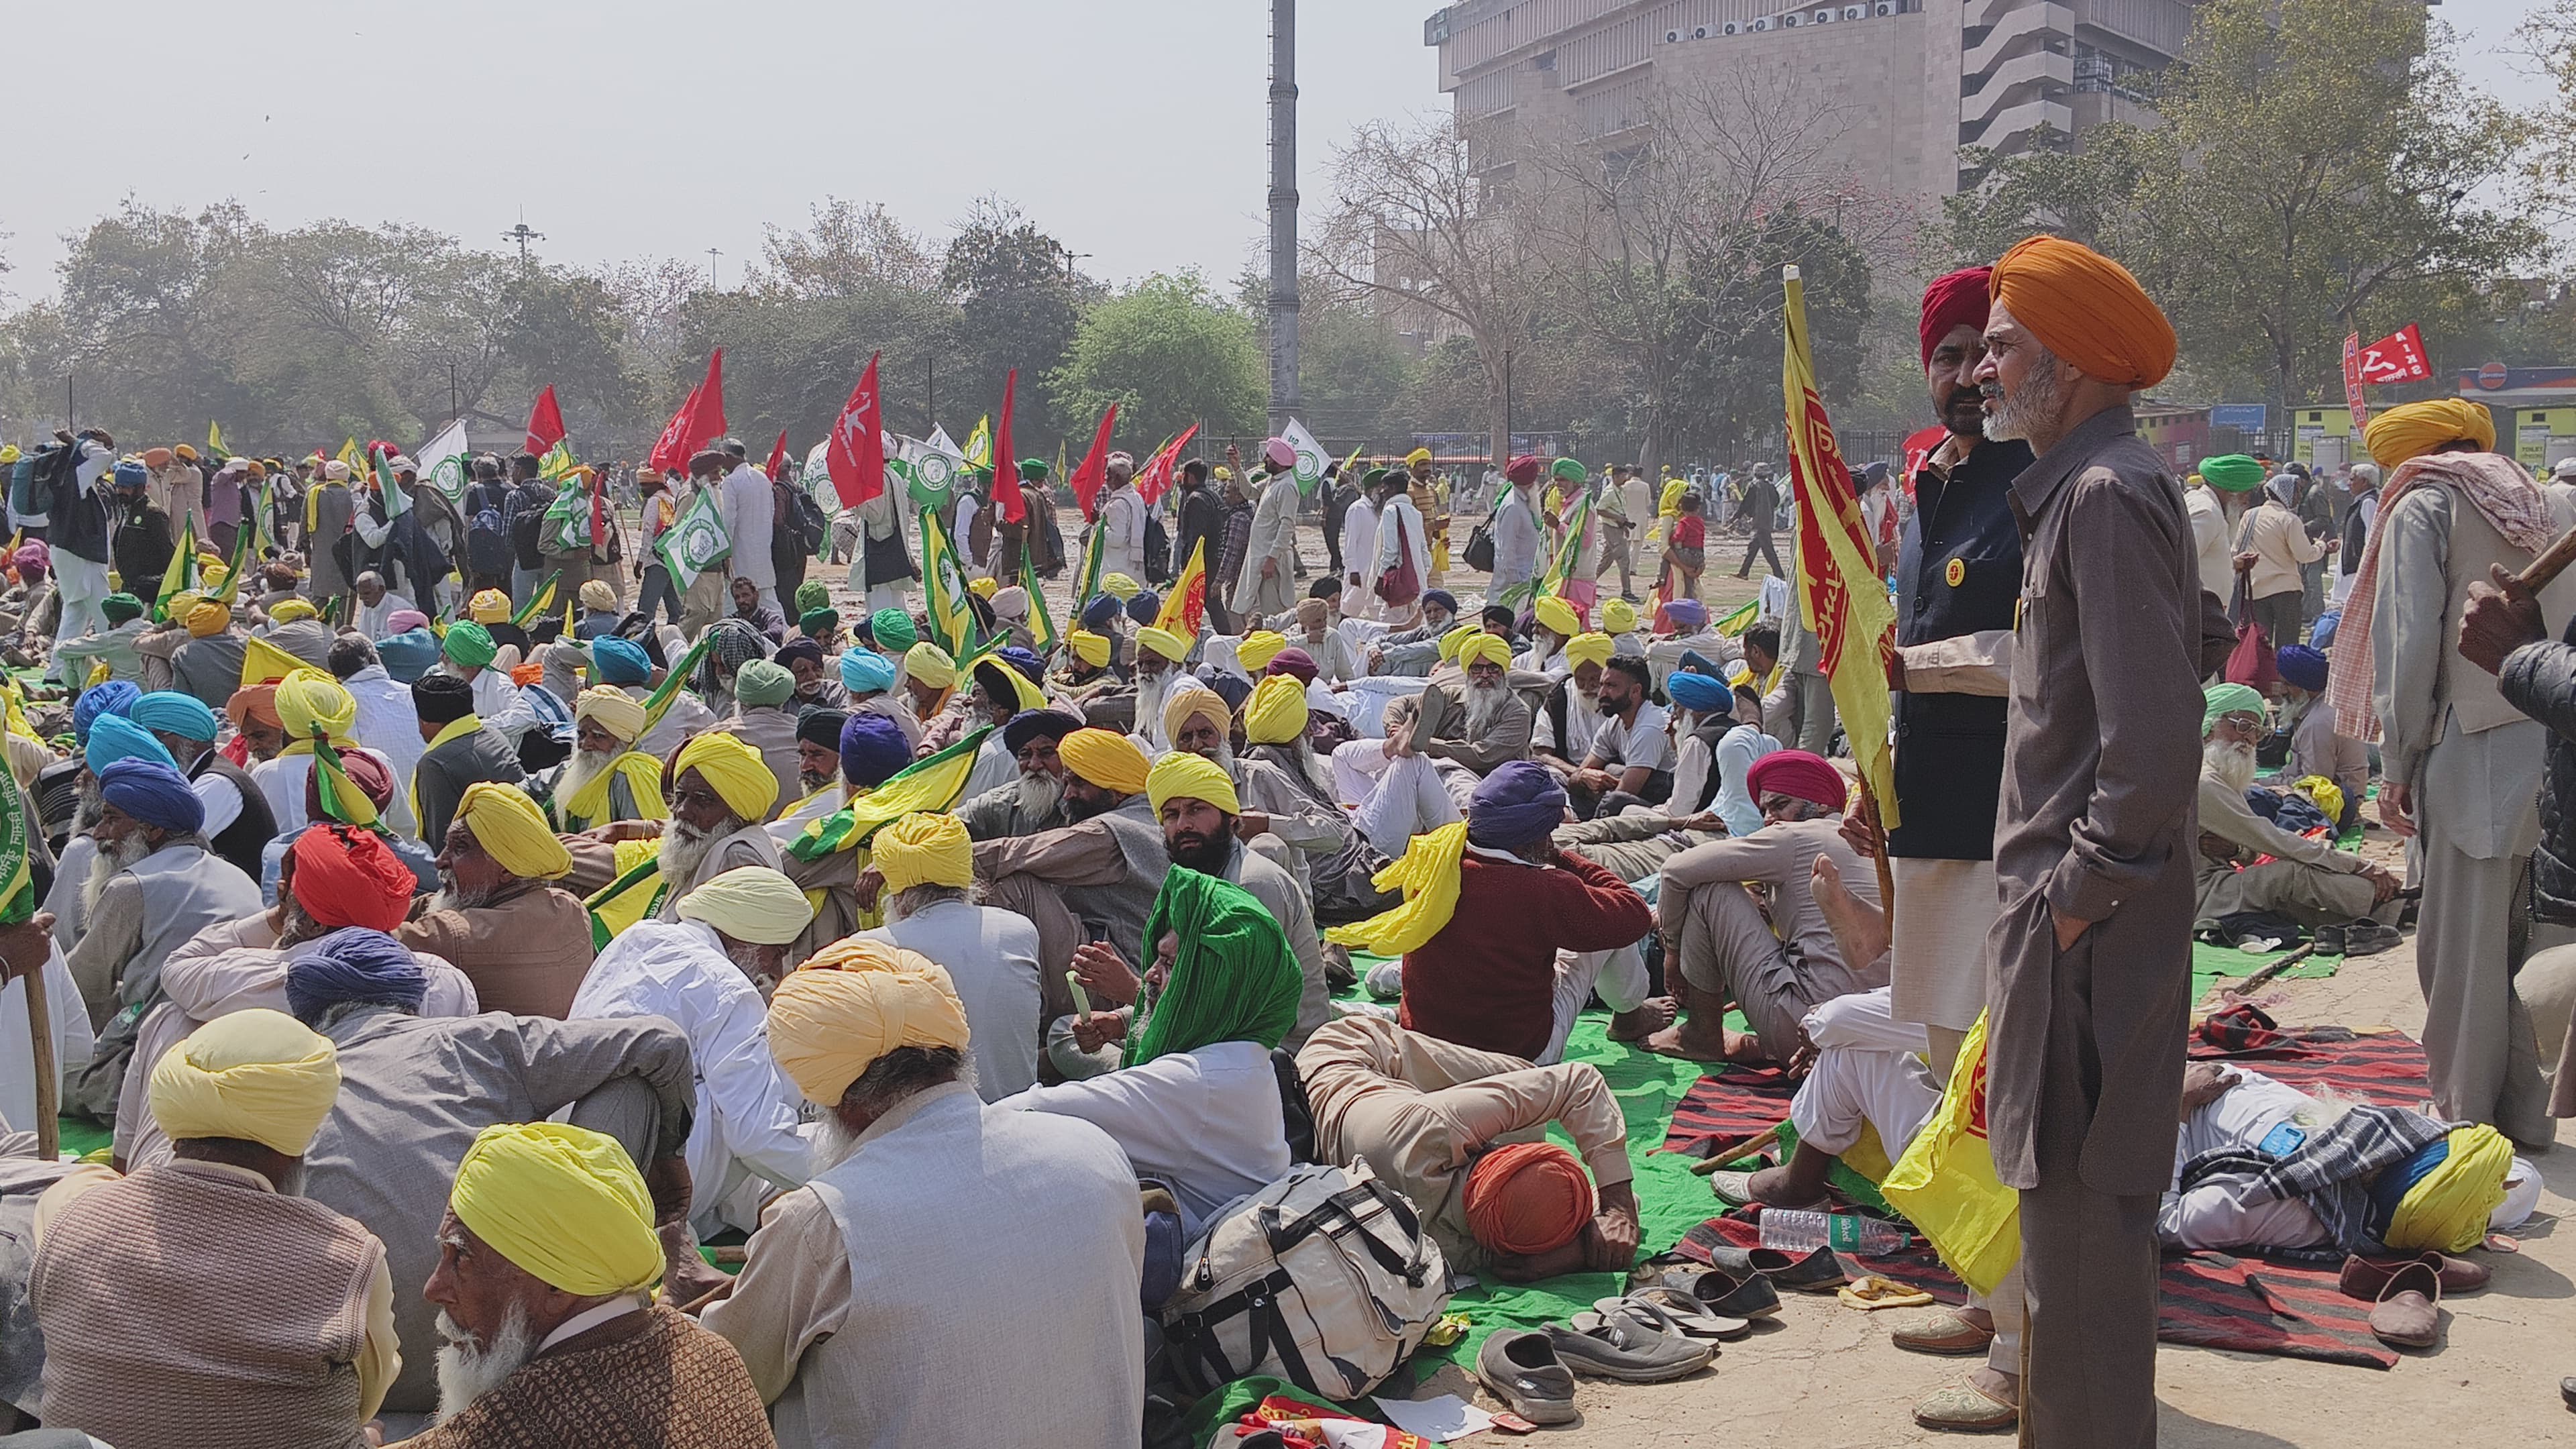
(265, 663)
(349, 452)
(215, 442)
(1945, 1184)
(1839, 590)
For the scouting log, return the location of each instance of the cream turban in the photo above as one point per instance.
(931, 665)
(1484, 648)
(565, 1203)
(750, 903)
(1276, 712)
(618, 712)
(734, 768)
(849, 1005)
(1181, 774)
(1588, 649)
(513, 831)
(924, 849)
(598, 595)
(1259, 648)
(257, 1075)
(1164, 642)
(1105, 758)
(1190, 699)
(1090, 648)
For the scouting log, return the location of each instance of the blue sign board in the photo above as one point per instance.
(2243, 417)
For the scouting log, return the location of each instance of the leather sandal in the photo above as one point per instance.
(1814, 1272)
(2408, 1313)
(2366, 1278)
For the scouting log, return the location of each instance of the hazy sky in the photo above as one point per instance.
(1134, 130)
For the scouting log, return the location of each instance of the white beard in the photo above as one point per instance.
(1149, 702)
(2028, 406)
(584, 767)
(1482, 703)
(466, 1372)
(1038, 793)
(684, 849)
(2233, 764)
(107, 865)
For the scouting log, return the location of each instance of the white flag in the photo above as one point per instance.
(445, 459)
(1311, 459)
(695, 543)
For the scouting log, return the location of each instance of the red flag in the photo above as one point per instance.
(671, 450)
(2397, 357)
(700, 418)
(1095, 464)
(598, 510)
(857, 454)
(1157, 473)
(777, 457)
(711, 418)
(1919, 448)
(545, 423)
(1006, 464)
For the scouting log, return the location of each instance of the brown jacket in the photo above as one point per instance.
(648, 1380)
(526, 951)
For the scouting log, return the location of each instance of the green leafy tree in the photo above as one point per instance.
(1170, 352)
(1021, 300)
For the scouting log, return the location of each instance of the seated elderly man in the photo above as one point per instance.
(1410, 652)
(152, 885)
(367, 773)
(1433, 1118)
(1033, 801)
(1569, 713)
(1776, 957)
(1275, 720)
(1002, 692)
(606, 779)
(622, 664)
(1489, 904)
(929, 680)
(869, 679)
(722, 792)
(824, 844)
(1097, 877)
(762, 719)
(1299, 825)
(546, 1263)
(1159, 656)
(841, 1347)
(461, 753)
(2316, 746)
(1553, 624)
(376, 604)
(708, 974)
(414, 1093)
(334, 877)
(293, 1344)
(469, 652)
(523, 943)
(1687, 631)
(238, 823)
(114, 647)
(803, 658)
(1195, 1103)
(599, 614)
(207, 665)
(1203, 830)
(408, 650)
(1086, 672)
(930, 903)
(1475, 720)
(2329, 891)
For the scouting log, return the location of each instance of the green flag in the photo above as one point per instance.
(1041, 623)
(944, 589)
(658, 703)
(539, 601)
(695, 542)
(181, 575)
(17, 881)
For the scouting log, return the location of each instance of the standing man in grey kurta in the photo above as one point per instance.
(2091, 952)
(2463, 766)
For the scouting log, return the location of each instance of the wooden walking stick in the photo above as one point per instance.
(1878, 848)
(2552, 562)
(49, 1080)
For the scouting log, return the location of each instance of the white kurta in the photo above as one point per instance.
(1207, 1122)
(1274, 539)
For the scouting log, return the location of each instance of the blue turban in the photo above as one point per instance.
(117, 696)
(166, 711)
(153, 792)
(865, 671)
(1145, 606)
(1442, 597)
(131, 474)
(873, 750)
(2301, 666)
(1023, 660)
(1097, 614)
(1516, 805)
(1698, 693)
(353, 964)
(116, 738)
(1688, 614)
(616, 661)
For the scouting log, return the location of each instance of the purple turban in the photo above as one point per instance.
(873, 750)
(1294, 662)
(1687, 614)
(353, 963)
(1516, 805)
(153, 793)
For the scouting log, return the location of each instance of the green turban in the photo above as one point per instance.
(1032, 471)
(2232, 473)
(763, 681)
(894, 631)
(812, 596)
(469, 644)
(1569, 470)
(818, 622)
(1235, 978)
(2230, 699)
(120, 607)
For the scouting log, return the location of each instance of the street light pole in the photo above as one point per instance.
(1285, 399)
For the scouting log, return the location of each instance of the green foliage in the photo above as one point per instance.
(1170, 353)
(1020, 301)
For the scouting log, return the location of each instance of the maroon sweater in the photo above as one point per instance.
(1488, 980)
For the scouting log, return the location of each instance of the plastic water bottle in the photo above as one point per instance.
(1803, 1232)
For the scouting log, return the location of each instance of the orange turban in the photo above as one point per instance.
(2087, 309)
(1529, 1197)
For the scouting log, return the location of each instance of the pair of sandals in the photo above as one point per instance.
(2364, 937)
(1664, 1328)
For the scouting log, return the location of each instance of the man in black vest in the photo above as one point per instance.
(239, 823)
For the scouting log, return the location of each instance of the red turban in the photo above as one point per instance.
(2087, 309)
(1523, 469)
(345, 876)
(1529, 1197)
(1951, 301)
(1799, 775)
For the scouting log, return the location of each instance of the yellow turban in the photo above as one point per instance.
(1259, 648)
(311, 702)
(1555, 613)
(1121, 587)
(208, 619)
(1484, 649)
(1024, 695)
(513, 831)
(563, 1202)
(2415, 429)
(924, 849)
(618, 712)
(1090, 648)
(490, 606)
(2087, 309)
(750, 903)
(2448, 1209)
(1276, 712)
(288, 611)
(258, 1075)
(1105, 758)
(1456, 639)
(1189, 700)
(1164, 642)
(850, 1004)
(1588, 649)
(1618, 616)
(1418, 455)
(1183, 775)
(984, 588)
(182, 603)
(734, 768)
(931, 665)
(596, 594)
(211, 571)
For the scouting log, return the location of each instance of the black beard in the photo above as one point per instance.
(1197, 852)
(1078, 810)
(1964, 414)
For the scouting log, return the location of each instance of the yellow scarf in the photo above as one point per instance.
(588, 806)
(1429, 876)
(457, 729)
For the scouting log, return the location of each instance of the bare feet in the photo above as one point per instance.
(1860, 929)
(1692, 1039)
(1649, 1017)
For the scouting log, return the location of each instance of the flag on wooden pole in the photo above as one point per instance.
(1094, 471)
(856, 455)
(1006, 465)
(545, 422)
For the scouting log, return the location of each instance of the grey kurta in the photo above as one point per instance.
(2101, 763)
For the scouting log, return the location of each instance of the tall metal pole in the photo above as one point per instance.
(1285, 401)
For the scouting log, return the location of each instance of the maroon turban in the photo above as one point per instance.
(1951, 300)
(1523, 469)
(1799, 775)
(364, 771)
(1294, 661)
